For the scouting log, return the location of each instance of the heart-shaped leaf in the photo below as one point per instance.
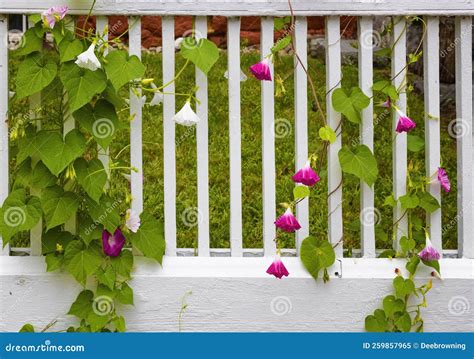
(57, 154)
(359, 161)
(409, 201)
(392, 305)
(350, 105)
(18, 214)
(82, 262)
(376, 323)
(69, 49)
(326, 133)
(81, 84)
(58, 206)
(403, 287)
(149, 239)
(100, 121)
(35, 73)
(317, 254)
(202, 53)
(428, 202)
(91, 176)
(42, 177)
(105, 212)
(121, 68)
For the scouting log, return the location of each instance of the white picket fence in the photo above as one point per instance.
(230, 289)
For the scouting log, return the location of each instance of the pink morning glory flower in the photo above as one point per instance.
(287, 222)
(261, 70)
(112, 244)
(429, 253)
(277, 268)
(444, 179)
(53, 15)
(306, 175)
(405, 123)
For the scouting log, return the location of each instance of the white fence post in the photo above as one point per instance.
(368, 214)
(301, 120)
(333, 81)
(464, 131)
(169, 145)
(399, 151)
(233, 60)
(268, 141)
(202, 148)
(432, 123)
(4, 94)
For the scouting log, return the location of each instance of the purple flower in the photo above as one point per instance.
(429, 253)
(306, 176)
(405, 123)
(261, 70)
(443, 179)
(287, 222)
(112, 244)
(277, 268)
(386, 104)
(54, 14)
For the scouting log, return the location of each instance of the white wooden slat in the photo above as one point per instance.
(399, 148)
(368, 213)
(233, 48)
(333, 79)
(301, 120)
(35, 105)
(248, 7)
(202, 134)
(136, 155)
(4, 95)
(169, 145)
(432, 123)
(268, 142)
(68, 126)
(465, 152)
(103, 154)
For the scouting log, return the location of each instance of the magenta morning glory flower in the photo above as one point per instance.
(287, 222)
(261, 70)
(277, 268)
(306, 175)
(443, 179)
(405, 123)
(429, 253)
(54, 14)
(112, 244)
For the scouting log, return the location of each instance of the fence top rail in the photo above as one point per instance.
(246, 7)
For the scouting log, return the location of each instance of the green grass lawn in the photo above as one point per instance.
(252, 157)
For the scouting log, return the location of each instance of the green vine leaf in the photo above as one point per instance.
(106, 277)
(69, 49)
(386, 88)
(350, 105)
(317, 254)
(82, 306)
(409, 201)
(81, 262)
(91, 176)
(300, 192)
(149, 239)
(30, 42)
(403, 287)
(203, 53)
(376, 323)
(104, 212)
(101, 121)
(18, 213)
(432, 264)
(428, 202)
(403, 322)
(122, 68)
(51, 239)
(81, 84)
(392, 305)
(359, 161)
(27, 328)
(415, 143)
(412, 265)
(407, 244)
(57, 154)
(123, 264)
(42, 177)
(58, 206)
(35, 73)
(326, 133)
(125, 294)
(281, 44)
